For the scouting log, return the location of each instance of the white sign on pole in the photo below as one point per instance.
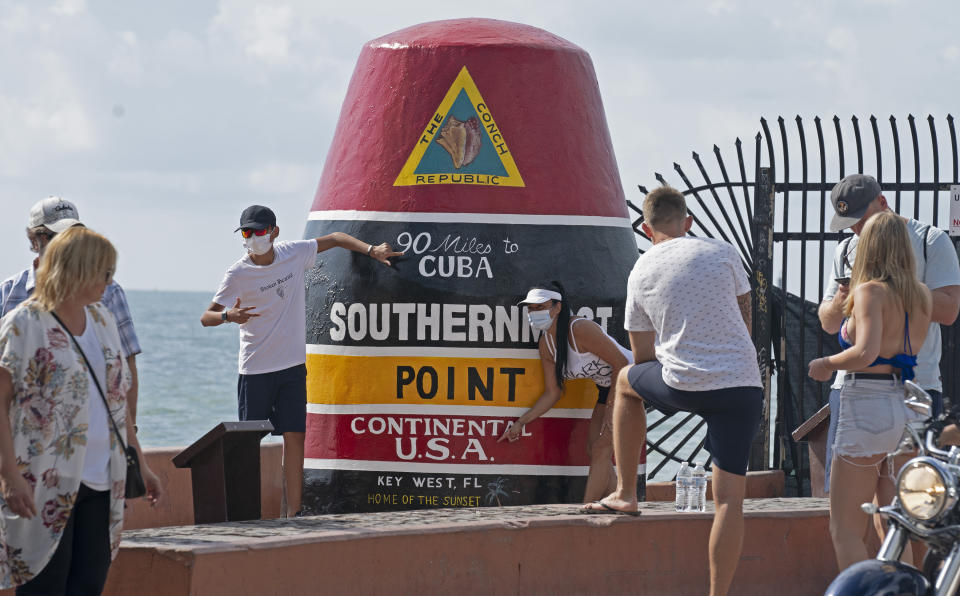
(955, 209)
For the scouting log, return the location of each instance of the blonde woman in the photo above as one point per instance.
(62, 469)
(887, 316)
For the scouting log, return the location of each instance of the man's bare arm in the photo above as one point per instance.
(830, 311)
(744, 302)
(642, 344)
(946, 304)
(380, 252)
(134, 389)
(212, 317)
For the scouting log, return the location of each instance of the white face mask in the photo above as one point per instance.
(540, 320)
(258, 245)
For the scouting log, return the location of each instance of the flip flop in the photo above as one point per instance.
(605, 510)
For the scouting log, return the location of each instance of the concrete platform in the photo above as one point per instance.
(543, 549)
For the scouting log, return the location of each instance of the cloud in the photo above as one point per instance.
(67, 125)
(283, 178)
(842, 40)
(263, 32)
(69, 8)
(268, 34)
(125, 63)
(721, 6)
(35, 131)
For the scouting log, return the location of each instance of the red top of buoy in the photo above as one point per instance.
(474, 32)
(472, 116)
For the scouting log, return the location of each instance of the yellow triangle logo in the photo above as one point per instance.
(461, 144)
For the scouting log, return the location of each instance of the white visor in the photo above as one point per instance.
(538, 296)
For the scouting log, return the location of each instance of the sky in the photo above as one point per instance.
(162, 120)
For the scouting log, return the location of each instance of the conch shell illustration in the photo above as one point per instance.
(461, 140)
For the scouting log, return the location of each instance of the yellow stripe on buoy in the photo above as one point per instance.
(339, 379)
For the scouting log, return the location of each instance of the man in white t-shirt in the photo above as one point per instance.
(688, 315)
(855, 199)
(267, 291)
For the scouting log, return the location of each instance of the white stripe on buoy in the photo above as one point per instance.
(419, 409)
(478, 218)
(423, 352)
(360, 465)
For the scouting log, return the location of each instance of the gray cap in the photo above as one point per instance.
(54, 213)
(851, 197)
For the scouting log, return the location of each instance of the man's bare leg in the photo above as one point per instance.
(293, 446)
(629, 434)
(726, 535)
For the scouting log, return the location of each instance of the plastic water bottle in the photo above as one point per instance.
(684, 477)
(698, 490)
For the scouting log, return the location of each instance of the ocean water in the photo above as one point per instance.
(188, 376)
(188, 373)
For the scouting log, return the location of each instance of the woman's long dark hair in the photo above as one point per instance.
(563, 327)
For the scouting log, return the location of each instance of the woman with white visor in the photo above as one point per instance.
(587, 353)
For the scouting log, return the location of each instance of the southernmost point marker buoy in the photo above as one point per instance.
(481, 148)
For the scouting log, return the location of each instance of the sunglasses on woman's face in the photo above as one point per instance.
(247, 232)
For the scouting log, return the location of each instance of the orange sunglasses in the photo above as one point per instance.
(247, 232)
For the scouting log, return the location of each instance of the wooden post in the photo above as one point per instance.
(761, 228)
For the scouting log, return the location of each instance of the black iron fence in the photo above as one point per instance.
(779, 225)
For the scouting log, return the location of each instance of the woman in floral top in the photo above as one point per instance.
(62, 470)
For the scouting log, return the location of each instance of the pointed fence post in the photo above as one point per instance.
(762, 232)
(950, 361)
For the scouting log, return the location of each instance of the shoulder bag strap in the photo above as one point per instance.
(96, 382)
(844, 251)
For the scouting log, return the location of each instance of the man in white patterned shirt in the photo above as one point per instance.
(688, 315)
(48, 218)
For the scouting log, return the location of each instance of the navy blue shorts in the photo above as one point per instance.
(732, 414)
(279, 396)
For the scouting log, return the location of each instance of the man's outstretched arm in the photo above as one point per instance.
(380, 252)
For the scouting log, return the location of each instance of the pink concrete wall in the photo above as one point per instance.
(787, 554)
(602, 554)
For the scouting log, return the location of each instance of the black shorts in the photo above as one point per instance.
(279, 396)
(732, 414)
(602, 393)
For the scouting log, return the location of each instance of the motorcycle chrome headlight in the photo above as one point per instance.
(925, 488)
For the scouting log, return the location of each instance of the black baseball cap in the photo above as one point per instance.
(851, 197)
(257, 217)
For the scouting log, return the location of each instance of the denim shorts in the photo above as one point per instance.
(871, 419)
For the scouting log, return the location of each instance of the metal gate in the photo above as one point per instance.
(778, 224)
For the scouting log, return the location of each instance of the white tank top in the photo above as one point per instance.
(96, 460)
(586, 365)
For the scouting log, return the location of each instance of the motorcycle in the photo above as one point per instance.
(925, 509)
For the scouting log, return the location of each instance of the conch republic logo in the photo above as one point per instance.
(461, 144)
